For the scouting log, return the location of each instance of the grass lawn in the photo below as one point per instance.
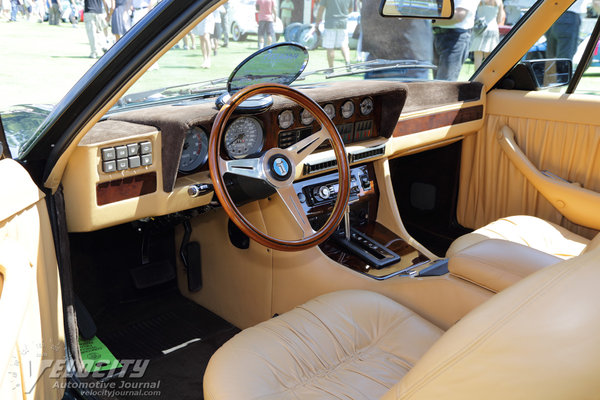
(40, 63)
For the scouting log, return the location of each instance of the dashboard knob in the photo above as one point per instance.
(199, 189)
(324, 192)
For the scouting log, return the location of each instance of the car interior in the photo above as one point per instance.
(444, 245)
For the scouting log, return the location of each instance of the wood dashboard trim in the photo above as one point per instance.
(126, 188)
(438, 120)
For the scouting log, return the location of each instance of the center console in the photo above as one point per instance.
(360, 243)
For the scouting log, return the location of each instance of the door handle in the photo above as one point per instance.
(576, 203)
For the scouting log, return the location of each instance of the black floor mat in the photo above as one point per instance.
(171, 324)
(142, 330)
(177, 375)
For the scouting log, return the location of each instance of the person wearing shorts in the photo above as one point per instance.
(203, 30)
(266, 16)
(335, 35)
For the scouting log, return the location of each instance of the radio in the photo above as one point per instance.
(325, 191)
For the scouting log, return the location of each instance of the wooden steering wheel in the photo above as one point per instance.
(277, 167)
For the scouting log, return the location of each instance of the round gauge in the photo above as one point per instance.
(329, 110)
(195, 150)
(286, 119)
(366, 106)
(347, 109)
(306, 117)
(243, 137)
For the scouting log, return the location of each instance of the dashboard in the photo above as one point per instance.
(357, 119)
(140, 162)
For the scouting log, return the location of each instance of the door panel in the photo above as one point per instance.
(30, 298)
(557, 133)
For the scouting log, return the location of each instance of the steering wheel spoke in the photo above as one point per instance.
(291, 201)
(248, 167)
(300, 150)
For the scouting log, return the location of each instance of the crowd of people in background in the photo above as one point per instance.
(446, 44)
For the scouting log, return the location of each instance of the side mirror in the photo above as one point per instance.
(551, 72)
(538, 74)
(434, 9)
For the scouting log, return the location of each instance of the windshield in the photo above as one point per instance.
(340, 36)
(46, 50)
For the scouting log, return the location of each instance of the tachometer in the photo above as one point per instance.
(195, 150)
(243, 137)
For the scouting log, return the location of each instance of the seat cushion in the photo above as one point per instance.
(529, 231)
(350, 344)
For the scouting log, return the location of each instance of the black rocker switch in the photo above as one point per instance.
(364, 182)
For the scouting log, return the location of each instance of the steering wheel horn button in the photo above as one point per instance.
(280, 167)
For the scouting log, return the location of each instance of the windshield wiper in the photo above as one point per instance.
(369, 66)
(211, 87)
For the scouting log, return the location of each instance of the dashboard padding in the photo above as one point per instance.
(105, 131)
(424, 95)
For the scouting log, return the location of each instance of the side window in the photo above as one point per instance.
(567, 39)
(590, 81)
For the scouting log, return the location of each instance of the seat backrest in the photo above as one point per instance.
(538, 339)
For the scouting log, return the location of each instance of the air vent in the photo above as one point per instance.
(366, 154)
(286, 139)
(312, 168)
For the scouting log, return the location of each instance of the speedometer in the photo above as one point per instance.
(195, 150)
(243, 137)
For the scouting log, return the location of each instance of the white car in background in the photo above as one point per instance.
(242, 20)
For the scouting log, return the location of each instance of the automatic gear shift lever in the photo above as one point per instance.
(347, 222)
(374, 253)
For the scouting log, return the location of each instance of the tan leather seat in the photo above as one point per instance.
(529, 231)
(496, 264)
(351, 344)
(538, 339)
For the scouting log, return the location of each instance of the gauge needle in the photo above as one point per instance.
(237, 139)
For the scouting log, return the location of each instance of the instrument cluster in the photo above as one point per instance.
(245, 135)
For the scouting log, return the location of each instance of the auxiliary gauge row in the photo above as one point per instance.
(286, 118)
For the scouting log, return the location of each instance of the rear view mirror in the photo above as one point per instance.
(434, 9)
(4, 149)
